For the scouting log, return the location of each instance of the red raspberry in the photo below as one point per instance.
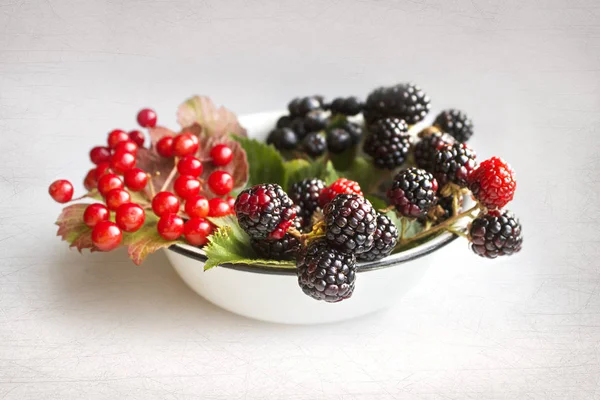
(493, 183)
(341, 186)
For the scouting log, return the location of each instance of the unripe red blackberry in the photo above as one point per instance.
(413, 192)
(493, 183)
(497, 233)
(350, 222)
(341, 186)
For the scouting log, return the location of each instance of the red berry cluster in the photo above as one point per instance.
(115, 175)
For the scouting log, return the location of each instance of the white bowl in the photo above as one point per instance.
(273, 295)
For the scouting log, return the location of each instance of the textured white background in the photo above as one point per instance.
(96, 326)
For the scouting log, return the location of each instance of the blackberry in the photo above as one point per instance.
(350, 222)
(299, 107)
(413, 192)
(297, 125)
(384, 240)
(338, 140)
(283, 139)
(388, 142)
(454, 163)
(305, 194)
(314, 144)
(355, 130)
(284, 122)
(282, 249)
(265, 211)
(497, 233)
(315, 121)
(346, 106)
(405, 101)
(456, 123)
(325, 273)
(493, 183)
(425, 149)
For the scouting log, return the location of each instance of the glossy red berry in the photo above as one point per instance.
(130, 217)
(122, 161)
(190, 165)
(106, 236)
(493, 183)
(164, 146)
(231, 201)
(116, 197)
(95, 213)
(185, 144)
(109, 182)
(100, 154)
(61, 191)
(197, 206)
(220, 182)
(115, 137)
(165, 203)
(90, 181)
(138, 137)
(102, 169)
(147, 118)
(186, 186)
(127, 146)
(170, 226)
(135, 179)
(218, 207)
(221, 154)
(196, 231)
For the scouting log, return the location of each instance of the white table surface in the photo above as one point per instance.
(98, 327)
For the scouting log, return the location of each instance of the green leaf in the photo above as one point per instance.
(364, 172)
(411, 226)
(265, 162)
(299, 169)
(330, 175)
(72, 229)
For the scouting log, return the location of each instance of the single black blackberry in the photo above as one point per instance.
(283, 139)
(350, 222)
(325, 273)
(265, 211)
(355, 130)
(425, 149)
(384, 240)
(305, 194)
(315, 121)
(284, 122)
(338, 140)
(297, 125)
(405, 101)
(453, 163)
(299, 107)
(497, 233)
(413, 192)
(282, 249)
(455, 123)
(346, 106)
(314, 144)
(388, 142)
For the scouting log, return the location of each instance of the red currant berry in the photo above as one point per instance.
(186, 186)
(165, 203)
(190, 165)
(61, 191)
(196, 231)
(147, 118)
(130, 217)
(221, 154)
(95, 213)
(135, 179)
(220, 182)
(185, 144)
(138, 137)
(127, 146)
(231, 201)
(164, 146)
(115, 137)
(106, 236)
(218, 207)
(122, 161)
(109, 182)
(170, 226)
(116, 197)
(90, 181)
(102, 169)
(100, 154)
(196, 206)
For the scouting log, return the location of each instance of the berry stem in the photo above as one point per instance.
(457, 232)
(455, 205)
(151, 187)
(91, 193)
(170, 177)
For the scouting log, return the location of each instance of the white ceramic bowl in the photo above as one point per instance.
(273, 295)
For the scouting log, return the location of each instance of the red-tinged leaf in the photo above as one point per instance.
(146, 241)
(73, 230)
(159, 132)
(158, 167)
(214, 120)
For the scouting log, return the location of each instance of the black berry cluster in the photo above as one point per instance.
(495, 234)
(388, 142)
(413, 192)
(404, 101)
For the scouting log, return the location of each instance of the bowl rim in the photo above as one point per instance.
(435, 243)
